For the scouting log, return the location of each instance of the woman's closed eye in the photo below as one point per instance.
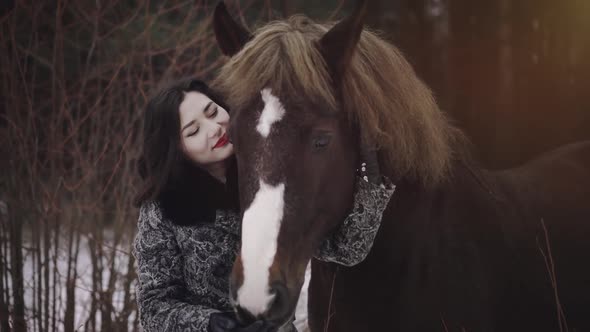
(210, 112)
(213, 113)
(194, 132)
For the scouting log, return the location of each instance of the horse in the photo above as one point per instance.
(459, 247)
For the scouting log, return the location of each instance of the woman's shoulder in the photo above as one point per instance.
(150, 206)
(151, 215)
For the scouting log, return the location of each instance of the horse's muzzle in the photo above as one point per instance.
(280, 310)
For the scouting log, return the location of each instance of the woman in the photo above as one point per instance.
(188, 231)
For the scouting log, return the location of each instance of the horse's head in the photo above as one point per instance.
(297, 151)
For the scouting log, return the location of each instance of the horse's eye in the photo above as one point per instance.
(321, 141)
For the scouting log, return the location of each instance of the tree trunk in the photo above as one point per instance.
(39, 274)
(71, 276)
(46, 269)
(56, 284)
(17, 278)
(4, 313)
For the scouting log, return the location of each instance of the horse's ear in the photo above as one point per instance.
(231, 36)
(337, 45)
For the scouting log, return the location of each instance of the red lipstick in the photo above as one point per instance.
(222, 141)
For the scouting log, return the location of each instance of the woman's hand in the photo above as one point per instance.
(227, 322)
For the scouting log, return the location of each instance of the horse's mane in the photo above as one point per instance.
(380, 92)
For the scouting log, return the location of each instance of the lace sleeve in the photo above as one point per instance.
(352, 241)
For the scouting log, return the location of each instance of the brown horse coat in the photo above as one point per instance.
(485, 251)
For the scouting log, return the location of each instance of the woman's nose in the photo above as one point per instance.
(215, 130)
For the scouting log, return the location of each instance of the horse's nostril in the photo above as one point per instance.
(244, 316)
(280, 309)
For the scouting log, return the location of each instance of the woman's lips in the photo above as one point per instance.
(222, 141)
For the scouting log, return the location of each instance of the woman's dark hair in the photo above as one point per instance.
(187, 193)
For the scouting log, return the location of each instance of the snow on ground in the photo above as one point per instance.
(84, 283)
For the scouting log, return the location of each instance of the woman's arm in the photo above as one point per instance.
(352, 241)
(162, 297)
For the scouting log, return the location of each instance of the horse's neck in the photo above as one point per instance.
(464, 181)
(416, 210)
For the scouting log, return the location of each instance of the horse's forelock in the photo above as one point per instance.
(282, 56)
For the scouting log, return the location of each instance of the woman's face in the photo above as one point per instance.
(203, 126)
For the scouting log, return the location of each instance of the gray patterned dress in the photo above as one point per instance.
(183, 271)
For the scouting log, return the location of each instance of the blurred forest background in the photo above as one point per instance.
(514, 74)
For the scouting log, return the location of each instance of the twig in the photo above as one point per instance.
(330, 314)
(548, 258)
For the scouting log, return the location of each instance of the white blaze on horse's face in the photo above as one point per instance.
(261, 224)
(260, 230)
(273, 112)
